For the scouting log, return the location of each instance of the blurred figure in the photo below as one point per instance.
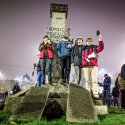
(64, 48)
(4, 95)
(121, 83)
(76, 59)
(16, 88)
(90, 65)
(38, 75)
(115, 94)
(46, 56)
(106, 89)
(0, 95)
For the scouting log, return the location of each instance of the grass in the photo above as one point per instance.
(116, 117)
(4, 116)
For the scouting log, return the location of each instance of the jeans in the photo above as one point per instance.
(39, 76)
(45, 65)
(65, 63)
(106, 97)
(116, 101)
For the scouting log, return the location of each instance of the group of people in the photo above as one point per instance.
(3, 95)
(116, 97)
(82, 55)
(16, 88)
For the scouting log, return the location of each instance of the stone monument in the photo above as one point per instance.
(58, 14)
(54, 101)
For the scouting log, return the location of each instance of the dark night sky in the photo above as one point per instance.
(23, 24)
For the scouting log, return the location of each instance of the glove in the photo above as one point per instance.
(69, 46)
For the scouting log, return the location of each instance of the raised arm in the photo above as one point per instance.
(101, 44)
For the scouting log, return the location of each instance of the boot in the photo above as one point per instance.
(67, 81)
(63, 82)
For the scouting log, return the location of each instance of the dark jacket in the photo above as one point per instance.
(16, 89)
(89, 50)
(115, 92)
(62, 49)
(48, 48)
(76, 55)
(123, 71)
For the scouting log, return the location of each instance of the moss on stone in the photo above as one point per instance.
(12, 103)
(80, 106)
(32, 105)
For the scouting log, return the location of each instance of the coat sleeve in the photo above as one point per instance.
(59, 49)
(100, 47)
(41, 46)
(72, 55)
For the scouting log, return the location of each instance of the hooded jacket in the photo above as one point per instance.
(89, 50)
(76, 55)
(62, 49)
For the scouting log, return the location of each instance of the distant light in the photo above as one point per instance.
(102, 71)
(110, 75)
(19, 79)
(1, 75)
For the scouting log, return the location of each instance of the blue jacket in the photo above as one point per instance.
(107, 83)
(62, 49)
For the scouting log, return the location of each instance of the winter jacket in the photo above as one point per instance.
(123, 71)
(89, 50)
(47, 48)
(121, 83)
(115, 92)
(62, 49)
(16, 89)
(107, 83)
(76, 55)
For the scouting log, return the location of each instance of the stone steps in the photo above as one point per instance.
(32, 105)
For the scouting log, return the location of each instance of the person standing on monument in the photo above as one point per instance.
(46, 56)
(38, 75)
(76, 59)
(90, 65)
(64, 48)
